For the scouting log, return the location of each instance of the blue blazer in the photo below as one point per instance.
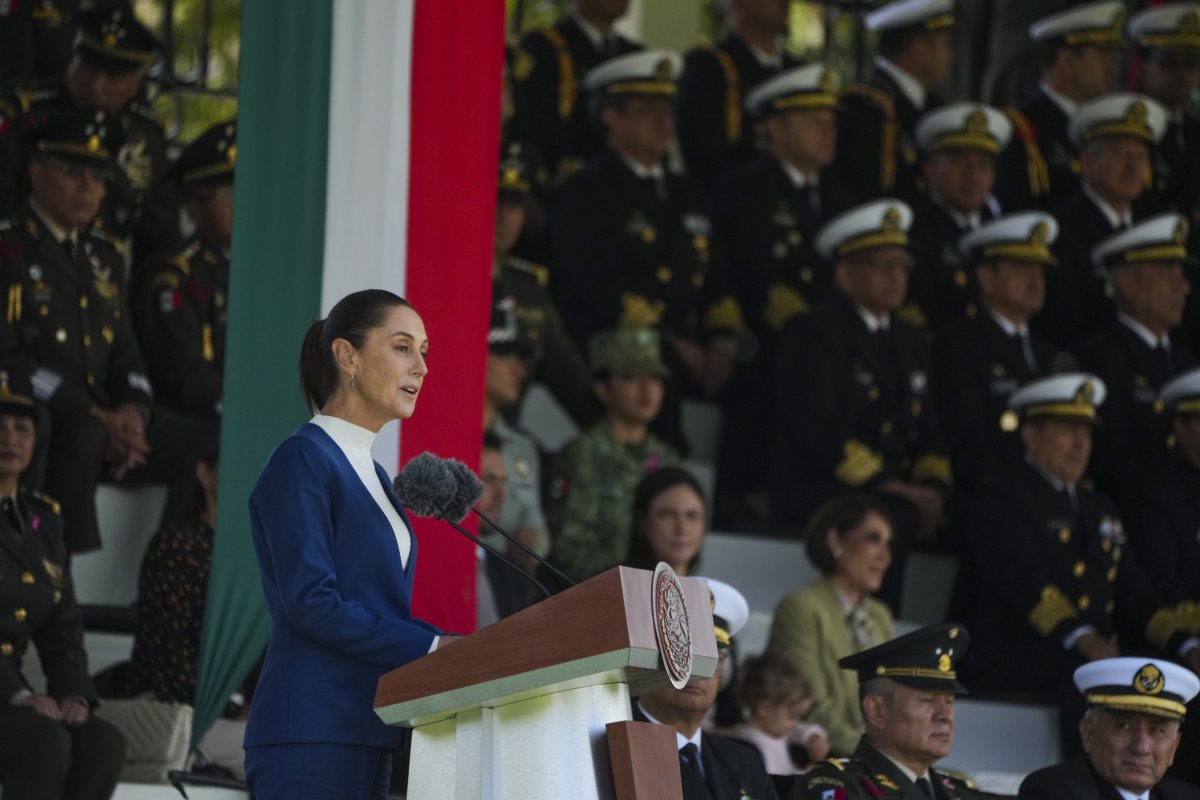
(338, 599)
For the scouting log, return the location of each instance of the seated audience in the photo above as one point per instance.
(668, 521)
(172, 588)
(1056, 585)
(776, 699)
(1134, 355)
(521, 514)
(51, 745)
(907, 688)
(598, 471)
(848, 540)
(180, 299)
(709, 766)
(1130, 733)
(854, 391)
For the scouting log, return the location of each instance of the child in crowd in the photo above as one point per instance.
(775, 698)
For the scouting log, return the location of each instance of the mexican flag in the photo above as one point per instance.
(368, 134)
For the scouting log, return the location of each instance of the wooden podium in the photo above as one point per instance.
(520, 708)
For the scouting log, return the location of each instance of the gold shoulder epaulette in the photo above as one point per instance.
(46, 500)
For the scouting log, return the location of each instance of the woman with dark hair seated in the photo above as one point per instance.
(172, 587)
(668, 521)
(51, 745)
(849, 541)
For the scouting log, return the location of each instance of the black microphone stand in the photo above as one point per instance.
(442, 516)
(524, 547)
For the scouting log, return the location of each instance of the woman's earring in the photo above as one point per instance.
(353, 382)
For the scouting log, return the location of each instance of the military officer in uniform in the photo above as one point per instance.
(113, 53)
(1079, 63)
(1055, 582)
(1168, 514)
(1168, 39)
(979, 362)
(596, 474)
(716, 82)
(51, 745)
(1168, 42)
(767, 213)
(553, 357)
(1134, 355)
(1115, 133)
(550, 102)
(36, 38)
(1130, 732)
(180, 301)
(854, 390)
(710, 767)
(877, 155)
(634, 243)
(907, 688)
(67, 322)
(959, 143)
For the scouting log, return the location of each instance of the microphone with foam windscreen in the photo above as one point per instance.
(470, 487)
(428, 488)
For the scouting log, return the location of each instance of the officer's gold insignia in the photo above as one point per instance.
(1040, 233)
(523, 65)
(1149, 680)
(943, 663)
(1085, 393)
(886, 782)
(1136, 113)
(1064, 535)
(523, 469)
(891, 220)
(700, 242)
(663, 274)
(662, 72)
(110, 40)
(829, 81)
(53, 570)
(953, 634)
(93, 143)
(648, 235)
(231, 154)
(976, 122)
(1181, 231)
(960, 278)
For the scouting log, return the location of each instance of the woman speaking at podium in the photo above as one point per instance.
(337, 555)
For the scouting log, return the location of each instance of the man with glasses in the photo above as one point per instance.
(710, 767)
(854, 405)
(113, 53)
(67, 323)
(180, 301)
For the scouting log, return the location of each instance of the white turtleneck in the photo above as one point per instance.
(356, 442)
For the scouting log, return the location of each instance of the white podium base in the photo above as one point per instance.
(548, 746)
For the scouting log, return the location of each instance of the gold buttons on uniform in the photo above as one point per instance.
(91, 379)
(20, 614)
(60, 335)
(44, 311)
(83, 301)
(1079, 569)
(960, 278)
(1009, 421)
(1064, 535)
(1112, 574)
(1084, 602)
(6, 649)
(87, 340)
(663, 275)
(1106, 545)
(57, 596)
(27, 578)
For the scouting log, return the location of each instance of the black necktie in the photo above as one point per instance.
(1021, 341)
(69, 245)
(10, 513)
(1166, 364)
(926, 789)
(689, 758)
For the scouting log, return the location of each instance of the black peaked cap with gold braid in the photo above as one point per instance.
(923, 659)
(85, 137)
(16, 393)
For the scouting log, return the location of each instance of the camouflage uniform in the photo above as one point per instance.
(595, 485)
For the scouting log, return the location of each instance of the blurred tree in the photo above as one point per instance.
(197, 88)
